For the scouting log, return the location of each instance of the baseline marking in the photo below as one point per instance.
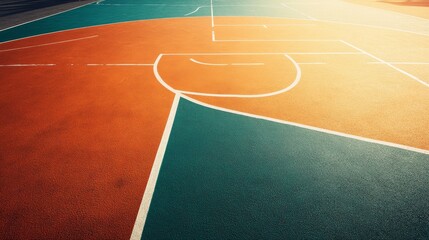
(388, 64)
(153, 177)
(346, 135)
(47, 44)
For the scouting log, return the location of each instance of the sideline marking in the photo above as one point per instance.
(401, 63)
(388, 64)
(296, 10)
(288, 88)
(312, 63)
(276, 40)
(118, 64)
(28, 65)
(262, 53)
(226, 64)
(37, 19)
(212, 13)
(265, 25)
(47, 44)
(150, 187)
(322, 130)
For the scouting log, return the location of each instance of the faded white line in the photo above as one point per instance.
(386, 63)
(260, 53)
(151, 183)
(401, 63)
(48, 44)
(265, 25)
(276, 40)
(296, 10)
(213, 36)
(341, 134)
(118, 64)
(312, 63)
(28, 65)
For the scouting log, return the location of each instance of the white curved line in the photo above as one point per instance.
(288, 88)
(47, 44)
(159, 78)
(208, 64)
(196, 10)
(322, 130)
(225, 64)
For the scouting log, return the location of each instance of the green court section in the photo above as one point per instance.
(115, 11)
(227, 176)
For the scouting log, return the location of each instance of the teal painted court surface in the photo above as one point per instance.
(226, 176)
(112, 11)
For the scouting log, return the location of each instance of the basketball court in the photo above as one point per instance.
(215, 119)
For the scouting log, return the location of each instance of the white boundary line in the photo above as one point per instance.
(312, 63)
(118, 64)
(260, 53)
(153, 177)
(296, 10)
(212, 13)
(402, 63)
(47, 44)
(322, 130)
(386, 63)
(29, 65)
(276, 40)
(288, 88)
(1, 30)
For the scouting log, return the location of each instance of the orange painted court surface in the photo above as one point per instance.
(107, 107)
